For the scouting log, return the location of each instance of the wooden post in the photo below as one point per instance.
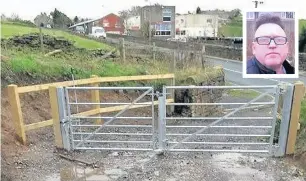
(203, 57)
(16, 112)
(122, 50)
(173, 65)
(41, 40)
(95, 98)
(299, 91)
(173, 80)
(154, 49)
(55, 116)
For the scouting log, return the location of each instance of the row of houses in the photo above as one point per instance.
(166, 23)
(162, 19)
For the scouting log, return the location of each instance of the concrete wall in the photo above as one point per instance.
(216, 78)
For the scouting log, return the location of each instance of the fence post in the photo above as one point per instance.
(285, 106)
(55, 116)
(299, 91)
(41, 39)
(154, 51)
(16, 112)
(172, 96)
(95, 98)
(161, 121)
(203, 57)
(122, 50)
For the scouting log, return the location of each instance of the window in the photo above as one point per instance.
(99, 31)
(290, 15)
(105, 23)
(117, 25)
(209, 20)
(167, 15)
(250, 15)
(166, 19)
(163, 29)
(256, 15)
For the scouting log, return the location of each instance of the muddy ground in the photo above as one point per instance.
(39, 160)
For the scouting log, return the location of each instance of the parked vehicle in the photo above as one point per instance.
(98, 32)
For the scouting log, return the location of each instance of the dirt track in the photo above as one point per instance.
(39, 162)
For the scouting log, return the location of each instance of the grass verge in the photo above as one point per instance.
(38, 66)
(301, 138)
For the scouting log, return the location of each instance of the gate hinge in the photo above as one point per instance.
(63, 121)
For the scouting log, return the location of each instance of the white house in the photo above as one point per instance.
(132, 23)
(196, 25)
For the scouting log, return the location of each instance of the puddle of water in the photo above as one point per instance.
(78, 173)
(231, 163)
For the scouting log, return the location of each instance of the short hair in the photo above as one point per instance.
(268, 18)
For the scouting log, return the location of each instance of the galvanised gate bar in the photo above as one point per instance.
(162, 130)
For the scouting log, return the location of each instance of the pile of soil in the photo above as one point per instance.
(51, 43)
(33, 40)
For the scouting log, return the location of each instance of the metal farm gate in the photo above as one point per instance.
(238, 129)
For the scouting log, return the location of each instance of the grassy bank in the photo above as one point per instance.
(9, 30)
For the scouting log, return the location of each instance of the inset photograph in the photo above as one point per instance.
(270, 46)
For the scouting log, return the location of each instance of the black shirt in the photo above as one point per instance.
(255, 67)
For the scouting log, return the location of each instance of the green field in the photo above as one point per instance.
(9, 30)
(235, 28)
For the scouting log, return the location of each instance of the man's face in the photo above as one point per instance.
(271, 55)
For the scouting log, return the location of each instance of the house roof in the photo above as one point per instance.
(92, 20)
(84, 22)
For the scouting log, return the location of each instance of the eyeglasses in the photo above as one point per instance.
(267, 40)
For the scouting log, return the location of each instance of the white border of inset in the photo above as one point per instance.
(244, 45)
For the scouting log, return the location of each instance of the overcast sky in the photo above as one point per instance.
(28, 9)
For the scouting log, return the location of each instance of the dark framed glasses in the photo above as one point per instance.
(264, 40)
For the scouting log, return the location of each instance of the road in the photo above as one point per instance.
(233, 73)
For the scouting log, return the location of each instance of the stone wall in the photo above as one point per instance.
(227, 52)
(183, 58)
(213, 78)
(231, 52)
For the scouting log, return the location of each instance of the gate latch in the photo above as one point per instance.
(159, 94)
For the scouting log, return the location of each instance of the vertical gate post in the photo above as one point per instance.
(161, 121)
(95, 98)
(285, 119)
(55, 116)
(276, 100)
(299, 91)
(172, 94)
(57, 100)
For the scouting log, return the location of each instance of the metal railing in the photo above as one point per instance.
(84, 134)
(168, 132)
(179, 140)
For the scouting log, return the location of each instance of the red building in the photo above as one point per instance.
(112, 24)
